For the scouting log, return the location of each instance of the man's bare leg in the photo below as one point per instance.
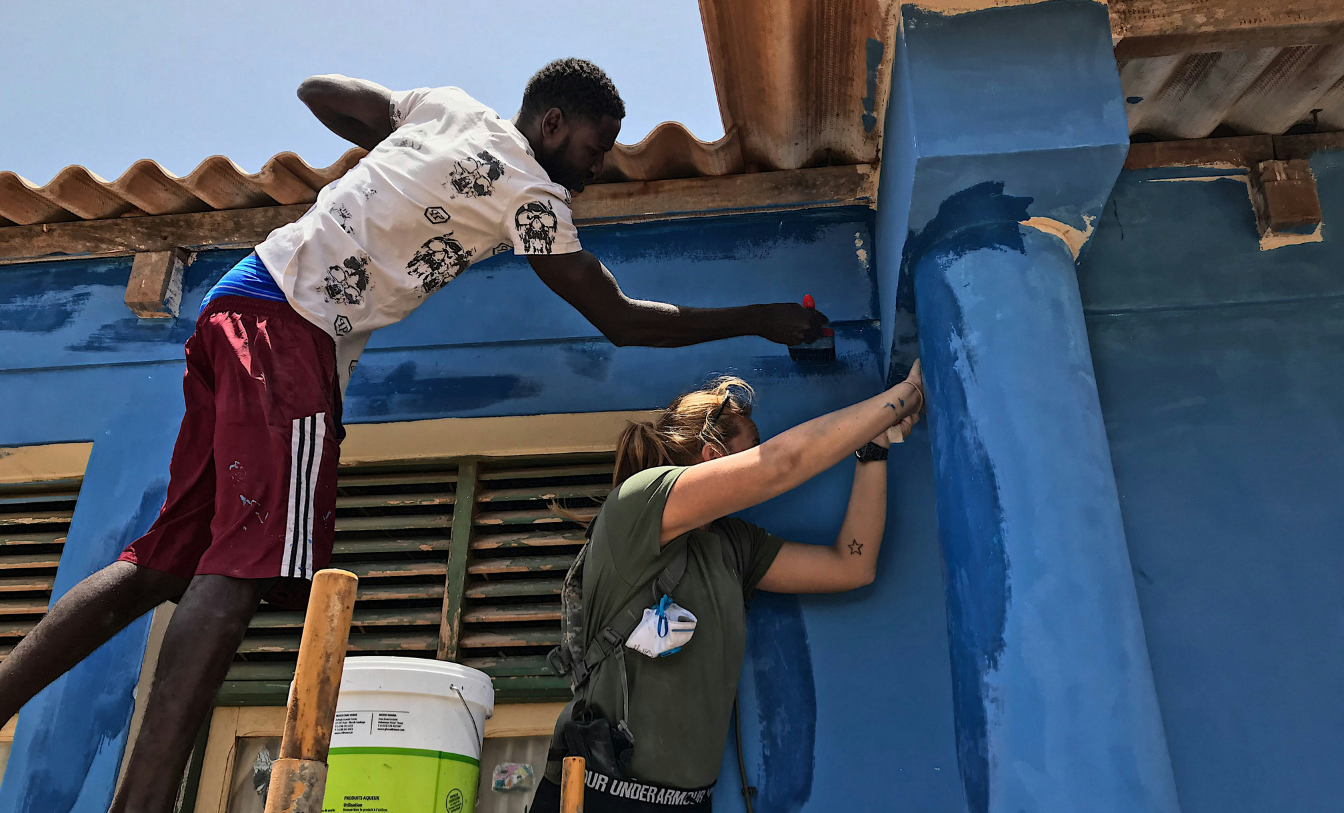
(83, 619)
(198, 646)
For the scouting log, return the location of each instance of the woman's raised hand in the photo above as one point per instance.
(916, 377)
(721, 486)
(902, 428)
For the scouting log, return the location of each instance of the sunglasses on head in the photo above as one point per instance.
(714, 416)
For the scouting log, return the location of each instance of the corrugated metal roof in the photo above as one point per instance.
(803, 82)
(149, 189)
(1263, 91)
(146, 188)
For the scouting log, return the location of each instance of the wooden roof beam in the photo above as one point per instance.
(1144, 28)
(629, 202)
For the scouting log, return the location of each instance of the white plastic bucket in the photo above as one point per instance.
(407, 737)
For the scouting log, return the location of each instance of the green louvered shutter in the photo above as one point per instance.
(34, 520)
(520, 550)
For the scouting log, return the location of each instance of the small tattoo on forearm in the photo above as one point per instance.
(893, 406)
(902, 400)
(856, 548)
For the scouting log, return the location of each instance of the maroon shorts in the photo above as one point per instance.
(252, 488)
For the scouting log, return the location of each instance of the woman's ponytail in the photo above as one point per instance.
(640, 447)
(707, 416)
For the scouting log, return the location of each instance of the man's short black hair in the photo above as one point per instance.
(577, 87)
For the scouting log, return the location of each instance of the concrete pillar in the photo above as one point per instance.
(1005, 132)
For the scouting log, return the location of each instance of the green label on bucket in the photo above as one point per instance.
(399, 780)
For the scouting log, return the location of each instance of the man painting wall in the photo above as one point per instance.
(250, 510)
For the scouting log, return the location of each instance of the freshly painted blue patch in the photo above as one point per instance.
(41, 313)
(873, 50)
(970, 157)
(786, 367)
(114, 336)
(970, 518)
(957, 117)
(975, 218)
(900, 159)
(106, 716)
(786, 700)
(375, 392)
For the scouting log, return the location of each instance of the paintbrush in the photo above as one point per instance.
(821, 351)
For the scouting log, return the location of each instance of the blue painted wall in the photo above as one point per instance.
(1027, 96)
(1219, 367)
(844, 697)
(997, 116)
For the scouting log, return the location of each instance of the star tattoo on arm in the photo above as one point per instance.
(856, 548)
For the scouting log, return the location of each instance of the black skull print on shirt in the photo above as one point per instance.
(346, 283)
(438, 262)
(536, 224)
(475, 177)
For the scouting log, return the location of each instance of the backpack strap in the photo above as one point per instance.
(612, 637)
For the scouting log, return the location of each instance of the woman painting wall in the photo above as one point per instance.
(652, 717)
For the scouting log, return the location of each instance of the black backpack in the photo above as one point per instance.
(607, 749)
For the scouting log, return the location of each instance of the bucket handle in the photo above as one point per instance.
(480, 741)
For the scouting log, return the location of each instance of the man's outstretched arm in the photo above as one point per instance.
(354, 109)
(582, 281)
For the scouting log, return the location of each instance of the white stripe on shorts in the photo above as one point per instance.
(305, 461)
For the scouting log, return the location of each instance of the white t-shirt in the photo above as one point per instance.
(453, 185)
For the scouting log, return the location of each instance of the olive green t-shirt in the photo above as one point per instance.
(680, 705)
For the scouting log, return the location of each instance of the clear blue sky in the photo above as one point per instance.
(105, 84)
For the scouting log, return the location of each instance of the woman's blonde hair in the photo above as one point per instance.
(711, 415)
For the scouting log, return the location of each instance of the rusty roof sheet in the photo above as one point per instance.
(1262, 91)
(146, 188)
(149, 189)
(803, 82)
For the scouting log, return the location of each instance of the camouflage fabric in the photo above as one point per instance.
(571, 616)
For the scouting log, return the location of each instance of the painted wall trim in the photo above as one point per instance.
(820, 187)
(507, 436)
(51, 461)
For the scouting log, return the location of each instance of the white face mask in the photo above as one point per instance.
(663, 630)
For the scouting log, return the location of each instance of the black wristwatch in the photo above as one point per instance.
(871, 453)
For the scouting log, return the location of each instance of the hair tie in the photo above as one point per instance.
(918, 389)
